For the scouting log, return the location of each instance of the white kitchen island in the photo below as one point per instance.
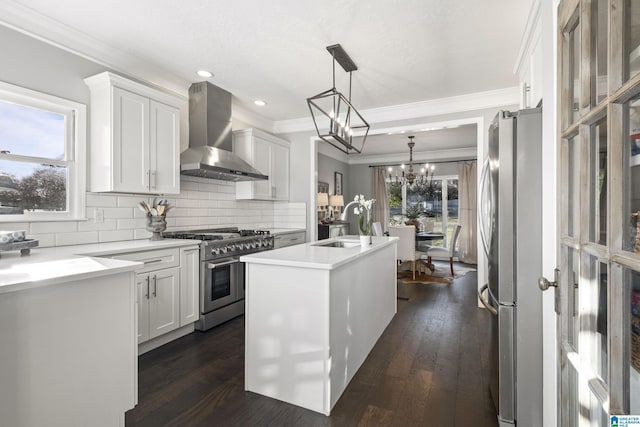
(313, 314)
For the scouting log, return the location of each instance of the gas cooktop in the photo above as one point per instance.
(215, 234)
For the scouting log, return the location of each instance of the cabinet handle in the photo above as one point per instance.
(155, 285)
(148, 183)
(152, 261)
(153, 175)
(147, 294)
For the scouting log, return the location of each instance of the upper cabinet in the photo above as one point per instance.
(529, 63)
(268, 154)
(135, 137)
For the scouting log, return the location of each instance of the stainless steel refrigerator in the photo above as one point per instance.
(510, 212)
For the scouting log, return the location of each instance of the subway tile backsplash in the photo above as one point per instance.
(202, 203)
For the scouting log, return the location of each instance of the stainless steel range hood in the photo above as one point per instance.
(209, 154)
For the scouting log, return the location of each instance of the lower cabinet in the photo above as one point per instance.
(158, 303)
(189, 285)
(168, 292)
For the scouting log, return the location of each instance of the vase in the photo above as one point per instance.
(156, 225)
(365, 241)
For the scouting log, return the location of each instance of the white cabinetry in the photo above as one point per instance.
(529, 63)
(189, 285)
(168, 295)
(158, 302)
(135, 137)
(268, 154)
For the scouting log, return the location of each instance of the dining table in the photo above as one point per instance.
(429, 236)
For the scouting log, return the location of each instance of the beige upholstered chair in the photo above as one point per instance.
(437, 252)
(406, 244)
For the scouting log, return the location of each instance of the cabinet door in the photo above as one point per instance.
(142, 300)
(262, 162)
(189, 286)
(279, 176)
(164, 301)
(130, 142)
(164, 149)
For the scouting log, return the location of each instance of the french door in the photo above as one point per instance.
(598, 294)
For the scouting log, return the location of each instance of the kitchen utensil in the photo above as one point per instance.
(153, 212)
(160, 209)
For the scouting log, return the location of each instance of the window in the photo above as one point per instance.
(437, 200)
(42, 156)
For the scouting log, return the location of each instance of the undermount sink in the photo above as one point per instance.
(339, 244)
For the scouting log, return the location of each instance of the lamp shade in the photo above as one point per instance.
(323, 199)
(336, 200)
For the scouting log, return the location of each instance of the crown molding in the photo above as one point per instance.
(418, 157)
(34, 24)
(432, 107)
(532, 31)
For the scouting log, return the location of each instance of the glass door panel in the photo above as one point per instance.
(631, 182)
(600, 31)
(573, 415)
(595, 312)
(632, 34)
(573, 331)
(573, 69)
(633, 327)
(599, 183)
(573, 187)
(597, 416)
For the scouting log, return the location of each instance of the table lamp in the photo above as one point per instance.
(323, 202)
(336, 202)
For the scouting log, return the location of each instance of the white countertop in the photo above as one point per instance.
(48, 266)
(311, 255)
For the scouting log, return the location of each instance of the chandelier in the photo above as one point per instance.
(334, 117)
(424, 176)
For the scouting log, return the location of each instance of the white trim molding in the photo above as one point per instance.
(418, 157)
(432, 107)
(531, 33)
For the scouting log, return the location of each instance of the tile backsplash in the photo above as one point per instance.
(202, 203)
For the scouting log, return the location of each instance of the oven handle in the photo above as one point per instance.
(211, 265)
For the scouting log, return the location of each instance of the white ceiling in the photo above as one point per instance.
(407, 51)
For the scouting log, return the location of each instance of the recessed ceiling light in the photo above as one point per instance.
(204, 73)
(260, 102)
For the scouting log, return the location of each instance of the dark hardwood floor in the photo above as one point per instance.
(429, 368)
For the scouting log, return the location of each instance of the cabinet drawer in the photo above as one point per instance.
(153, 260)
(290, 239)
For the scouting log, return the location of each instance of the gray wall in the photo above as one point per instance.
(327, 166)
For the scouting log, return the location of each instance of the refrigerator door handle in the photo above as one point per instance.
(484, 302)
(484, 177)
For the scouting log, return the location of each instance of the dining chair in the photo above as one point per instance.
(406, 244)
(440, 253)
(377, 229)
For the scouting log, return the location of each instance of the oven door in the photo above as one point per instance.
(218, 282)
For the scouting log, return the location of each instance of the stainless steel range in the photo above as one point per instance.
(221, 272)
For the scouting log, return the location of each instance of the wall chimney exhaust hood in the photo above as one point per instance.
(209, 154)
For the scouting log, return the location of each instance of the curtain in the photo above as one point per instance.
(467, 194)
(381, 206)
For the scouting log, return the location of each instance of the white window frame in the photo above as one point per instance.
(444, 179)
(75, 150)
